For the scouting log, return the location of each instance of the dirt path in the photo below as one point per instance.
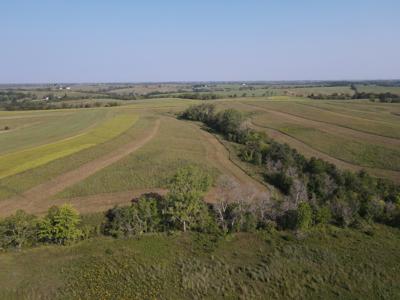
(216, 152)
(308, 151)
(332, 128)
(37, 198)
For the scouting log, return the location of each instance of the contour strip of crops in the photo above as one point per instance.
(20, 161)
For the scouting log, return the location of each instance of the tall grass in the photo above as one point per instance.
(327, 263)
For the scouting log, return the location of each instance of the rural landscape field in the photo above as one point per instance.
(199, 150)
(104, 150)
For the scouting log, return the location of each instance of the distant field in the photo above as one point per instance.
(324, 90)
(357, 133)
(31, 129)
(378, 89)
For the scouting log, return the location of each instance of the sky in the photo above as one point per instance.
(198, 40)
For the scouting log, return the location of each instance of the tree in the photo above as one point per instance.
(304, 216)
(230, 121)
(185, 205)
(60, 225)
(18, 230)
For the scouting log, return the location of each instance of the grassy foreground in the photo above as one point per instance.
(326, 263)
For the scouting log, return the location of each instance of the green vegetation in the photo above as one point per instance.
(317, 232)
(175, 145)
(16, 184)
(349, 196)
(326, 262)
(30, 158)
(59, 226)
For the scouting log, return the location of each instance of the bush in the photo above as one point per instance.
(143, 216)
(323, 215)
(60, 225)
(304, 216)
(18, 230)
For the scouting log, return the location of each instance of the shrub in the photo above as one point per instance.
(323, 215)
(18, 230)
(143, 216)
(304, 216)
(60, 225)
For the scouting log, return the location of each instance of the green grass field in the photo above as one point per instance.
(26, 159)
(324, 264)
(151, 166)
(378, 89)
(48, 143)
(357, 133)
(30, 129)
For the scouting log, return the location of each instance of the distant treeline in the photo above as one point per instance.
(9, 96)
(43, 105)
(381, 97)
(344, 197)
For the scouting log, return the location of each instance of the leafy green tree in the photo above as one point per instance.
(304, 216)
(185, 198)
(230, 121)
(18, 230)
(60, 225)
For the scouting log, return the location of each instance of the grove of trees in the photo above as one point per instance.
(341, 197)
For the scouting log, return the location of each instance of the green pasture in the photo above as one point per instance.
(325, 263)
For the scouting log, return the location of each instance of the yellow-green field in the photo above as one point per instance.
(26, 159)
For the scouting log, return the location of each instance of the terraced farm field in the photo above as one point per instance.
(351, 134)
(121, 151)
(95, 158)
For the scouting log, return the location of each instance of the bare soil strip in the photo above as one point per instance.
(37, 198)
(333, 129)
(217, 153)
(95, 203)
(308, 151)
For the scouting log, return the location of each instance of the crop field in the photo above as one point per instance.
(109, 151)
(122, 149)
(117, 151)
(26, 159)
(351, 134)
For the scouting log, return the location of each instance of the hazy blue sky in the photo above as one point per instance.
(89, 41)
